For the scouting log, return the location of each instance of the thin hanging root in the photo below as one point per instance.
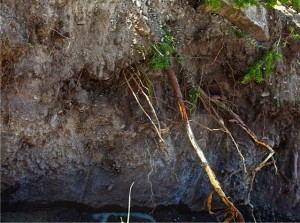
(147, 99)
(152, 198)
(236, 146)
(219, 213)
(228, 219)
(235, 213)
(212, 177)
(209, 200)
(157, 130)
(221, 122)
(251, 134)
(237, 120)
(259, 167)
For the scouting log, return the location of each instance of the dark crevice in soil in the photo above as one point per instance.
(71, 211)
(62, 211)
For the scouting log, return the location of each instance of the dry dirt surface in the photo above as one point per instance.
(72, 131)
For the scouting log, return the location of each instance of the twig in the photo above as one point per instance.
(218, 54)
(157, 50)
(209, 129)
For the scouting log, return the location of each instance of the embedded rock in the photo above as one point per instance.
(252, 19)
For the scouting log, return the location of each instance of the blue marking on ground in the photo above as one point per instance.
(103, 217)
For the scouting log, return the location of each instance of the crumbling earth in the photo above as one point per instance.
(72, 131)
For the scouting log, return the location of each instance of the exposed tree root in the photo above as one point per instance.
(232, 210)
(139, 83)
(218, 119)
(251, 134)
(221, 214)
(237, 120)
(155, 126)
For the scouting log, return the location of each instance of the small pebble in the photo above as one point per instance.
(265, 94)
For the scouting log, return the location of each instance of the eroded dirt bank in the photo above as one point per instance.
(71, 129)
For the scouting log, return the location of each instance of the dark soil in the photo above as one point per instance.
(75, 212)
(72, 131)
(62, 212)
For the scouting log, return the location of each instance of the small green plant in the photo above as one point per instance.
(28, 44)
(292, 34)
(147, 83)
(265, 66)
(244, 3)
(277, 103)
(162, 51)
(216, 4)
(297, 100)
(193, 95)
(262, 68)
(231, 29)
(237, 32)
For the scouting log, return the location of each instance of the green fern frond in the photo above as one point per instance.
(162, 52)
(193, 95)
(216, 4)
(254, 71)
(295, 4)
(270, 3)
(244, 3)
(269, 64)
